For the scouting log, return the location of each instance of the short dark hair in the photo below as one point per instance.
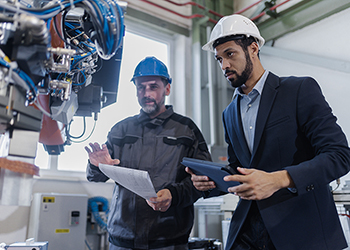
(245, 42)
(241, 40)
(165, 81)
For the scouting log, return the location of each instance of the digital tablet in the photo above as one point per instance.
(215, 171)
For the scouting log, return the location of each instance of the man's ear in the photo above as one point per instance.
(167, 89)
(254, 48)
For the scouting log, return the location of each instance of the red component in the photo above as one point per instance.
(51, 133)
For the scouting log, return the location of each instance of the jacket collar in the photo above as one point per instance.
(244, 155)
(159, 120)
(266, 102)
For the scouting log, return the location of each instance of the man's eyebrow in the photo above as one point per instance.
(228, 49)
(154, 84)
(225, 51)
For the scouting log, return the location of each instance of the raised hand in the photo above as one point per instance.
(99, 154)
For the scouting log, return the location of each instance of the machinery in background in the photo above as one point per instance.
(59, 219)
(30, 244)
(63, 221)
(96, 227)
(212, 217)
(204, 243)
(342, 201)
(58, 59)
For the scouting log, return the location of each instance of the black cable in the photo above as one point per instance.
(92, 131)
(84, 130)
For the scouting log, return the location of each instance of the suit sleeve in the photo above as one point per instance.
(318, 124)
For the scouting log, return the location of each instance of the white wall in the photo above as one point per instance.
(326, 43)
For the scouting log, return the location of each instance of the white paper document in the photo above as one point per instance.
(137, 181)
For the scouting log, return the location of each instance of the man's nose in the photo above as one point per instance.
(225, 64)
(147, 92)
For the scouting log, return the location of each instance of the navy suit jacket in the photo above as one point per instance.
(295, 131)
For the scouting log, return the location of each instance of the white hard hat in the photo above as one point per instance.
(233, 25)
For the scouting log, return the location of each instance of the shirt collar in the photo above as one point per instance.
(258, 86)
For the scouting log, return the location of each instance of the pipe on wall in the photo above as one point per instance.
(271, 9)
(178, 14)
(211, 11)
(195, 4)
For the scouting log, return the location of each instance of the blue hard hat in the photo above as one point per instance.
(151, 66)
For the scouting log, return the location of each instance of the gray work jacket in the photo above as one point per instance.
(158, 146)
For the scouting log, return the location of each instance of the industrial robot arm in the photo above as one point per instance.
(54, 56)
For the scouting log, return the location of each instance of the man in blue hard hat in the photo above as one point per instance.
(155, 140)
(152, 82)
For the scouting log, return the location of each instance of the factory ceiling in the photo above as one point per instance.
(275, 18)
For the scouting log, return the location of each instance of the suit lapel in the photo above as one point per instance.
(267, 99)
(243, 156)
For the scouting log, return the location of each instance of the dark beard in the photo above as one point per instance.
(241, 79)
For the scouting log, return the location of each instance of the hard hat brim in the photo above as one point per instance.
(209, 45)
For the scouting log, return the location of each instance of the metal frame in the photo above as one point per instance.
(299, 16)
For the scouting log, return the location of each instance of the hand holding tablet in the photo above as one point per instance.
(215, 171)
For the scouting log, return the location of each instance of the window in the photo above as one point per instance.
(74, 157)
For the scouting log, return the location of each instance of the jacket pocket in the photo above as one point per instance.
(178, 141)
(121, 141)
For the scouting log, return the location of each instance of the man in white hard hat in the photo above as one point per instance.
(284, 141)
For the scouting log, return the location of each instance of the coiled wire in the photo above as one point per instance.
(107, 18)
